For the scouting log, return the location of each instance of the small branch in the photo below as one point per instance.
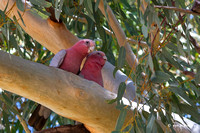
(177, 9)
(23, 124)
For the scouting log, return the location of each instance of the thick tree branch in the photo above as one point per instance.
(65, 93)
(55, 36)
(119, 33)
(52, 35)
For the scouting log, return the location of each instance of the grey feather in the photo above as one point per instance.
(58, 58)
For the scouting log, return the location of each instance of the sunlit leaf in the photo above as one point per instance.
(43, 3)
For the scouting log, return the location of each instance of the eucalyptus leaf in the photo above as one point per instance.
(121, 119)
(121, 90)
(144, 31)
(58, 9)
(160, 77)
(180, 92)
(150, 124)
(122, 57)
(42, 3)
(169, 57)
(21, 18)
(20, 5)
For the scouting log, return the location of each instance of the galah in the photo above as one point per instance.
(92, 67)
(68, 60)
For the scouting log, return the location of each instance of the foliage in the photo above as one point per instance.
(163, 77)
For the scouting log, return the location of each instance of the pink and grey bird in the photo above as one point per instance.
(92, 67)
(68, 60)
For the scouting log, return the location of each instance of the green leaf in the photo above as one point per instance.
(20, 5)
(111, 101)
(169, 57)
(150, 124)
(197, 76)
(96, 5)
(190, 110)
(114, 71)
(121, 119)
(195, 89)
(121, 58)
(89, 3)
(6, 121)
(21, 18)
(38, 12)
(160, 77)
(150, 63)
(7, 100)
(58, 9)
(89, 8)
(144, 31)
(42, 3)
(81, 2)
(121, 90)
(180, 92)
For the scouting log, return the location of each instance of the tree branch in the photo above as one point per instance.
(65, 93)
(119, 33)
(55, 36)
(177, 9)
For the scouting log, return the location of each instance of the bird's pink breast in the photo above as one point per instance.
(71, 62)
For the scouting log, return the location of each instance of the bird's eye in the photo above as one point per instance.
(98, 53)
(87, 42)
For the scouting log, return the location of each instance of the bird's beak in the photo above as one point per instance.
(91, 48)
(105, 58)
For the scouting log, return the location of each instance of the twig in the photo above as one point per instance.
(176, 9)
(23, 124)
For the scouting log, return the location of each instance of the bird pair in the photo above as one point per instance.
(70, 60)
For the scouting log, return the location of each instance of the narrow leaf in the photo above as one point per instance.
(121, 58)
(180, 92)
(121, 90)
(21, 18)
(150, 63)
(150, 124)
(160, 77)
(121, 119)
(144, 31)
(20, 5)
(96, 5)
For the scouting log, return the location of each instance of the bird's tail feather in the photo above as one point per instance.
(37, 119)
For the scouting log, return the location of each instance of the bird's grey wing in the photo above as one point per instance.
(58, 58)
